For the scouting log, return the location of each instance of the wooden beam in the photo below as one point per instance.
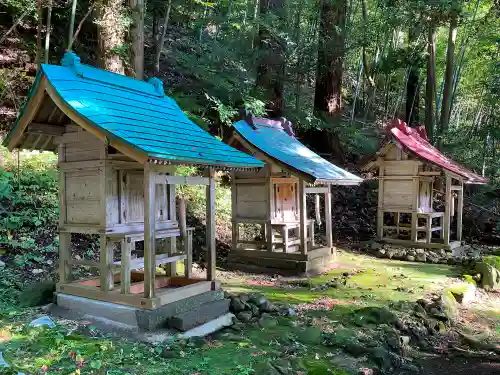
(251, 180)
(210, 219)
(303, 216)
(106, 263)
(181, 180)
(149, 231)
(268, 228)
(187, 291)
(47, 129)
(138, 263)
(328, 218)
(456, 187)
(447, 211)
(460, 208)
(188, 262)
(317, 189)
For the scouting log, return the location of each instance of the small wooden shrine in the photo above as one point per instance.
(118, 141)
(274, 199)
(421, 191)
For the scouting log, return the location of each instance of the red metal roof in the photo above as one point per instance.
(415, 141)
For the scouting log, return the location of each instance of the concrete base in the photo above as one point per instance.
(259, 263)
(136, 318)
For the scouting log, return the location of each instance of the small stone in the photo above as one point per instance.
(381, 253)
(257, 299)
(236, 305)
(375, 246)
(390, 253)
(464, 293)
(244, 298)
(2, 264)
(421, 258)
(410, 258)
(366, 371)
(37, 271)
(420, 251)
(290, 312)
(267, 321)
(255, 310)
(244, 316)
(169, 353)
(405, 340)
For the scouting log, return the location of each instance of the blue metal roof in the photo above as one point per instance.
(138, 114)
(269, 137)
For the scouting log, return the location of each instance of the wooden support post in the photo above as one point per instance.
(270, 212)
(415, 203)
(184, 235)
(126, 248)
(460, 208)
(211, 255)
(311, 233)
(380, 208)
(188, 262)
(303, 216)
(235, 235)
(447, 211)
(106, 261)
(149, 231)
(328, 218)
(429, 229)
(64, 257)
(234, 205)
(171, 268)
(284, 235)
(269, 236)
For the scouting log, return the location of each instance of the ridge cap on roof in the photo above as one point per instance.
(153, 87)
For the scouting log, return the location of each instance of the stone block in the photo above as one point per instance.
(200, 315)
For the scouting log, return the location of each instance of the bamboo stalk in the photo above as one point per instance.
(71, 25)
(47, 32)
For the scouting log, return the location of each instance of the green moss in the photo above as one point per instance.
(492, 260)
(469, 279)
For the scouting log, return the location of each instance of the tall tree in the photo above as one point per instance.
(137, 33)
(430, 84)
(161, 40)
(448, 77)
(110, 35)
(331, 51)
(413, 84)
(271, 66)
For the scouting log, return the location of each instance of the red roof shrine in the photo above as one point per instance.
(415, 141)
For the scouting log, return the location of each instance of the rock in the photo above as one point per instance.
(310, 335)
(267, 307)
(244, 316)
(490, 275)
(449, 305)
(236, 305)
(244, 298)
(421, 258)
(410, 258)
(356, 350)
(374, 315)
(366, 371)
(464, 293)
(170, 353)
(376, 246)
(381, 253)
(255, 310)
(37, 271)
(2, 264)
(405, 340)
(419, 311)
(267, 321)
(290, 312)
(389, 254)
(257, 299)
(420, 251)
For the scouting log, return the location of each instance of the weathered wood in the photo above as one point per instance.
(171, 265)
(38, 128)
(28, 114)
(106, 262)
(328, 218)
(380, 209)
(64, 257)
(188, 262)
(210, 220)
(126, 250)
(284, 235)
(447, 211)
(317, 189)
(149, 232)
(303, 216)
(460, 208)
(138, 263)
(181, 180)
(251, 180)
(187, 291)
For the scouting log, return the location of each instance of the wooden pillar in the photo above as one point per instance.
(447, 211)
(184, 238)
(380, 208)
(64, 257)
(149, 232)
(460, 208)
(126, 249)
(211, 255)
(328, 218)
(270, 212)
(302, 216)
(106, 260)
(234, 203)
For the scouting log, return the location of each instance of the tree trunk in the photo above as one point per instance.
(430, 84)
(331, 51)
(412, 85)
(47, 32)
(271, 67)
(39, 35)
(161, 42)
(448, 79)
(137, 33)
(110, 35)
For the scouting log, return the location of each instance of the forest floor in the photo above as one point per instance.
(325, 335)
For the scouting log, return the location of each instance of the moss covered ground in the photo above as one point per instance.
(286, 345)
